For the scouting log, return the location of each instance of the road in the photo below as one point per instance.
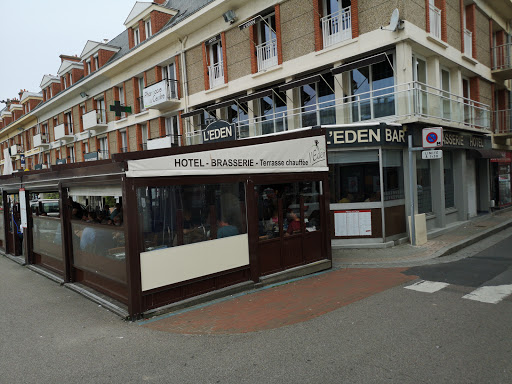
(394, 334)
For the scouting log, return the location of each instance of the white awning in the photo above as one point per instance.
(96, 190)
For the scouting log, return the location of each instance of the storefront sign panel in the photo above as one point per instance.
(460, 140)
(364, 136)
(218, 131)
(297, 155)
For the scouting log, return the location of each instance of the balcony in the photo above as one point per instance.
(97, 155)
(95, 120)
(435, 21)
(161, 95)
(163, 142)
(62, 132)
(468, 42)
(502, 124)
(16, 150)
(266, 55)
(216, 74)
(501, 63)
(402, 103)
(337, 27)
(41, 141)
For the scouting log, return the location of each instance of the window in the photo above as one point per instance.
(272, 113)
(184, 214)
(317, 102)
(70, 78)
(449, 187)
(124, 142)
(238, 114)
(419, 66)
(435, 19)
(169, 73)
(71, 151)
(101, 112)
(96, 62)
(144, 134)
(266, 50)
(355, 176)
(372, 90)
(468, 115)
(103, 150)
(140, 83)
(215, 64)
(86, 146)
(69, 122)
(172, 130)
(120, 90)
(88, 63)
(392, 170)
(148, 28)
(65, 82)
(136, 36)
(337, 21)
(445, 86)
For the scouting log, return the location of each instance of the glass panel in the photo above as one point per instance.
(445, 86)
(360, 80)
(99, 249)
(424, 185)
(308, 105)
(393, 175)
(326, 99)
(356, 183)
(186, 214)
(269, 220)
(383, 90)
(46, 237)
(291, 209)
(449, 189)
(310, 191)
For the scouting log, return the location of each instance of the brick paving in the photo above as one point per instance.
(283, 305)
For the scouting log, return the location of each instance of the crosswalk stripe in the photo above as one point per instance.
(427, 286)
(491, 295)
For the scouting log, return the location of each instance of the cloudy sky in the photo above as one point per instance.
(33, 33)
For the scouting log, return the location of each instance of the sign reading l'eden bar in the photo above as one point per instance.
(365, 135)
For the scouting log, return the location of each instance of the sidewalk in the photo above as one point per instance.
(451, 241)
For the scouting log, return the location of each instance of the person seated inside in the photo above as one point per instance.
(225, 229)
(293, 223)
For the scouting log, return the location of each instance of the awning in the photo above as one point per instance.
(255, 95)
(487, 154)
(96, 190)
(192, 113)
(300, 82)
(359, 63)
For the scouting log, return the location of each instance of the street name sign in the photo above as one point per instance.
(432, 154)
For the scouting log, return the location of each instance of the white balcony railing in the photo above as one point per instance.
(435, 21)
(160, 95)
(396, 103)
(468, 42)
(40, 140)
(266, 55)
(216, 74)
(337, 27)
(94, 120)
(501, 56)
(61, 133)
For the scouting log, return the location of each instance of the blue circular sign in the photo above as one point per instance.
(432, 137)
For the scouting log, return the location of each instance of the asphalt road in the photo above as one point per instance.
(52, 335)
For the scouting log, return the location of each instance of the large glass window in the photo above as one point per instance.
(424, 184)
(355, 176)
(317, 102)
(238, 113)
(449, 188)
(185, 214)
(372, 89)
(272, 113)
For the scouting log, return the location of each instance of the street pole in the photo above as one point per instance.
(411, 188)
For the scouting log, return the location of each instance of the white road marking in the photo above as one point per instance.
(427, 286)
(491, 295)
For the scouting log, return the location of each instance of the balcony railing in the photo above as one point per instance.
(102, 154)
(396, 103)
(41, 140)
(160, 95)
(266, 55)
(435, 21)
(501, 56)
(337, 27)
(468, 42)
(503, 122)
(216, 74)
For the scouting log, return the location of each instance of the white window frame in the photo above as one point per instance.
(96, 62)
(136, 36)
(69, 120)
(149, 32)
(144, 135)
(100, 102)
(140, 82)
(124, 140)
(172, 129)
(88, 63)
(71, 149)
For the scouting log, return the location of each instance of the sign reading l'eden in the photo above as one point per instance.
(219, 130)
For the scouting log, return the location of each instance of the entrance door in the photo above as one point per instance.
(291, 225)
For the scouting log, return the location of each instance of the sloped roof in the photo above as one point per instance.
(47, 79)
(67, 65)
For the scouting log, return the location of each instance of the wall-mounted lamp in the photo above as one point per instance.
(84, 95)
(229, 16)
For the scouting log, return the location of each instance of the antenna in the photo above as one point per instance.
(395, 22)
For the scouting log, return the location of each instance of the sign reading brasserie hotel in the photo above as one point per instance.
(295, 155)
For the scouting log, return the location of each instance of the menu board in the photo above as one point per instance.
(353, 223)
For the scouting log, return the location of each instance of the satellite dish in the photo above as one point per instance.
(395, 22)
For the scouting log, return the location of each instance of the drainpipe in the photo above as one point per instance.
(184, 71)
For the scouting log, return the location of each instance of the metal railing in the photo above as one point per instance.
(141, 103)
(101, 116)
(337, 27)
(390, 104)
(102, 154)
(435, 21)
(501, 56)
(502, 121)
(266, 55)
(216, 74)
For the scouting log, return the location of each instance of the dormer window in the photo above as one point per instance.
(88, 62)
(70, 79)
(96, 62)
(50, 89)
(65, 82)
(136, 36)
(148, 28)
